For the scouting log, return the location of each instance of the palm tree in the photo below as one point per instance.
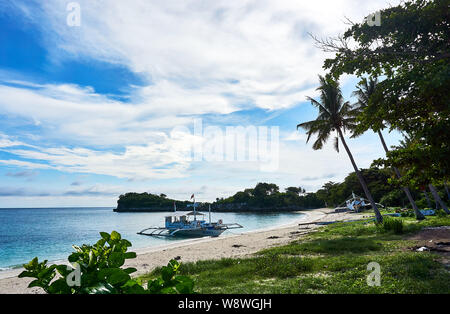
(335, 115)
(446, 190)
(363, 93)
(424, 191)
(438, 198)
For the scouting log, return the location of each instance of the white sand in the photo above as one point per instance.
(202, 249)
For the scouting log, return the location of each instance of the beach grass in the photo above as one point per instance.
(333, 259)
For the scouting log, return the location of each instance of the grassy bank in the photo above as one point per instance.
(332, 259)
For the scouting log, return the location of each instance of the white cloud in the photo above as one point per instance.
(203, 54)
(158, 160)
(7, 141)
(201, 57)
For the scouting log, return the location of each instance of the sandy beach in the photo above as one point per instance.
(233, 245)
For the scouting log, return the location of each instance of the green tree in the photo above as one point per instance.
(365, 89)
(331, 193)
(335, 115)
(294, 190)
(411, 140)
(411, 50)
(264, 191)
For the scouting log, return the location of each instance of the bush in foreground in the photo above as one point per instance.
(392, 224)
(97, 269)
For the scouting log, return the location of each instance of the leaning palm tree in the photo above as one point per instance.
(424, 191)
(363, 93)
(335, 115)
(446, 190)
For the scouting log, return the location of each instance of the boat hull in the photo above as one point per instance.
(198, 232)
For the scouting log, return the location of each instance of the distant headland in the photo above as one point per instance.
(267, 197)
(264, 197)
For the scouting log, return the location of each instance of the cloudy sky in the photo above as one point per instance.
(92, 111)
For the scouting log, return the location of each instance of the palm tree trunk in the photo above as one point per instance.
(438, 198)
(436, 201)
(378, 216)
(428, 199)
(446, 190)
(419, 215)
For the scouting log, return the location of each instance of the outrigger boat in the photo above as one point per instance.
(180, 224)
(355, 203)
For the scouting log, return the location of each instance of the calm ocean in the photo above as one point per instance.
(49, 233)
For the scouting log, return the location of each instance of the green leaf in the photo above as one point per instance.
(100, 288)
(32, 264)
(100, 243)
(155, 285)
(118, 277)
(46, 272)
(74, 257)
(116, 259)
(35, 283)
(167, 273)
(59, 286)
(130, 255)
(130, 270)
(135, 289)
(174, 264)
(26, 274)
(92, 259)
(103, 274)
(105, 235)
(64, 270)
(185, 285)
(168, 290)
(115, 236)
(126, 243)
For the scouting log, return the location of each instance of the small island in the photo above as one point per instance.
(147, 202)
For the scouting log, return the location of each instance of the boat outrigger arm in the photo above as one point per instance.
(165, 232)
(179, 224)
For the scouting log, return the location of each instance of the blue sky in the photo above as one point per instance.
(89, 112)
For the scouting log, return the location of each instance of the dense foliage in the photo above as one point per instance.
(97, 269)
(334, 194)
(410, 51)
(147, 201)
(268, 195)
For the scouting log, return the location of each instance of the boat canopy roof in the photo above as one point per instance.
(179, 214)
(196, 213)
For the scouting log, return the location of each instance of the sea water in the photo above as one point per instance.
(49, 233)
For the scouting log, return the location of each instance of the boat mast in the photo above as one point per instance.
(194, 209)
(210, 213)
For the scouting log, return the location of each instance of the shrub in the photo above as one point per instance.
(422, 203)
(408, 213)
(99, 270)
(392, 224)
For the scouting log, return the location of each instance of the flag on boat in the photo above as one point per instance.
(192, 196)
